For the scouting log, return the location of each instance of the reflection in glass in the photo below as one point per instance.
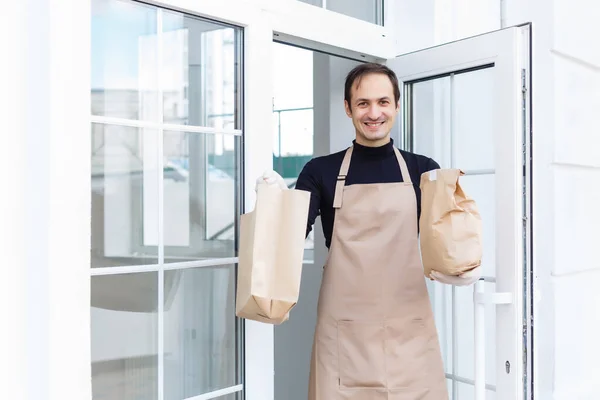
(200, 189)
(124, 60)
(124, 336)
(199, 72)
(200, 326)
(124, 196)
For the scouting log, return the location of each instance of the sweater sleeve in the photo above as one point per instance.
(310, 181)
(430, 165)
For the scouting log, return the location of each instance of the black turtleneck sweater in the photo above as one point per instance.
(368, 165)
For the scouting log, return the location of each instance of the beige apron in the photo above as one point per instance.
(375, 337)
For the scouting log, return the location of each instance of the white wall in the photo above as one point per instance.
(566, 169)
(575, 170)
(44, 213)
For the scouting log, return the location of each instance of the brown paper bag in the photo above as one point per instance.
(450, 224)
(271, 252)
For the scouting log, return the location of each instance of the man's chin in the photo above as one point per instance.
(374, 137)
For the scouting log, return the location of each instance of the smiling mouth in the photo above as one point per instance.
(374, 124)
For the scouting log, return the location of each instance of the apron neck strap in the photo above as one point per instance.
(341, 179)
(403, 167)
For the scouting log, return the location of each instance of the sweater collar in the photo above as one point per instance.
(374, 151)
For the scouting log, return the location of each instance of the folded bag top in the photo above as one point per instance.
(450, 224)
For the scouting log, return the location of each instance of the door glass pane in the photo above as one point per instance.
(201, 184)
(200, 341)
(199, 84)
(124, 63)
(124, 196)
(199, 72)
(430, 119)
(467, 392)
(451, 120)
(124, 336)
(473, 116)
(483, 189)
(464, 322)
(366, 10)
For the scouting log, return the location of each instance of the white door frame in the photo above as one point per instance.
(508, 50)
(298, 23)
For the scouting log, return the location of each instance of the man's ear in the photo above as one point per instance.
(398, 105)
(348, 110)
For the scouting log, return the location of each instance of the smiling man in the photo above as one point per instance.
(375, 337)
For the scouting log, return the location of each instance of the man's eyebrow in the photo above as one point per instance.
(382, 98)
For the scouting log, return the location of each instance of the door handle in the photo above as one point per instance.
(480, 299)
(493, 298)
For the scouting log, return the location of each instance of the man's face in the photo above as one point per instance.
(372, 109)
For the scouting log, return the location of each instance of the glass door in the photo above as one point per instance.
(465, 105)
(166, 156)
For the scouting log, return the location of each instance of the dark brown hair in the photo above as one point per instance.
(365, 69)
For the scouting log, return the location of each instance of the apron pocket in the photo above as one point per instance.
(361, 354)
(413, 360)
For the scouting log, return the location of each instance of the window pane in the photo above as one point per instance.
(124, 60)
(124, 196)
(366, 10)
(201, 185)
(431, 105)
(124, 336)
(313, 2)
(200, 326)
(473, 130)
(199, 74)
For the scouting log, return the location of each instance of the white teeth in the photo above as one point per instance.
(373, 123)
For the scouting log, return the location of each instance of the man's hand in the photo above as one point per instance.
(270, 177)
(466, 279)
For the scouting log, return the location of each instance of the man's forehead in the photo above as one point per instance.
(373, 93)
(372, 83)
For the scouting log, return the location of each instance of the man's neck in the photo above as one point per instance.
(372, 143)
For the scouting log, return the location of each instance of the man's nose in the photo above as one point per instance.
(374, 112)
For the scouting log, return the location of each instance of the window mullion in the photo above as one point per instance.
(161, 240)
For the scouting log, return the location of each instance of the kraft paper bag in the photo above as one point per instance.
(450, 224)
(271, 251)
